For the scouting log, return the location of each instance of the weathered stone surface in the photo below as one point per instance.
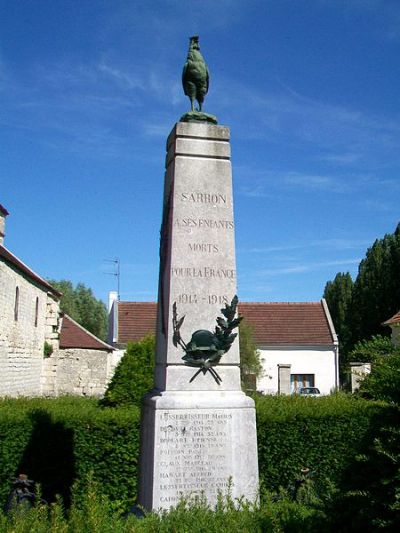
(199, 269)
(200, 443)
(79, 371)
(197, 436)
(22, 335)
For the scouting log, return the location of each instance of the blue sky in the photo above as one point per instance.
(89, 91)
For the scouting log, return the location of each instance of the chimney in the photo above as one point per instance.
(112, 297)
(112, 337)
(3, 214)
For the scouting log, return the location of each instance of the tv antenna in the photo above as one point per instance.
(116, 272)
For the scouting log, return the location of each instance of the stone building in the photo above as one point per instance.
(297, 341)
(83, 364)
(31, 326)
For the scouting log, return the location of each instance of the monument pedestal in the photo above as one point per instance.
(198, 443)
(198, 434)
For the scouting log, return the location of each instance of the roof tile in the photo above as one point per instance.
(73, 335)
(277, 323)
(395, 319)
(274, 323)
(136, 320)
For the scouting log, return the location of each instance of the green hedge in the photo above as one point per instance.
(60, 441)
(324, 434)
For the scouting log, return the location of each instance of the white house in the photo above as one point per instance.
(297, 341)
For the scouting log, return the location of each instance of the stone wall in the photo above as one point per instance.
(23, 332)
(77, 371)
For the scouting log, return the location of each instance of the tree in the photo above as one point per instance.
(133, 376)
(338, 295)
(375, 294)
(373, 494)
(383, 382)
(80, 304)
(250, 364)
(369, 351)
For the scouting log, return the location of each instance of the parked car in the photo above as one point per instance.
(309, 391)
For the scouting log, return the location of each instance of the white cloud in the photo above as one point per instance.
(340, 159)
(125, 79)
(282, 114)
(335, 244)
(307, 267)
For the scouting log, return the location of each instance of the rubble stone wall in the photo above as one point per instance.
(22, 334)
(76, 371)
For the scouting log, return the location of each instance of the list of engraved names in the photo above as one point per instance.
(192, 453)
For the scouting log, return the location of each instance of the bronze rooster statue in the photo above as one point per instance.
(195, 78)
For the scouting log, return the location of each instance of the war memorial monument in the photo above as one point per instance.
(198, 430)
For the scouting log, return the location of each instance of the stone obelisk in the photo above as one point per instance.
(198, 427)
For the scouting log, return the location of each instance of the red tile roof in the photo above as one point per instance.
(395, 319)
(136, 320)
(275, 324)
(278, 323)
(72, 335)
(18, 264)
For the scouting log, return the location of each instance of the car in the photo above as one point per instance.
(309, 391)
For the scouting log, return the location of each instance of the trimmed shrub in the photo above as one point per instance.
(58, 442)
(323, 434)
(133, 376)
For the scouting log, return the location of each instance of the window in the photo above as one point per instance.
(16, 304)
(298, 381)
(36, 311)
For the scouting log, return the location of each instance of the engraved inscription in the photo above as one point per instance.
(187, 298)
(203, 198)
(203, 223)
(204, 272)
(193, 454)
(203, 247)
(207, 299)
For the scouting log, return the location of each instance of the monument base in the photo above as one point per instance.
(197, 443)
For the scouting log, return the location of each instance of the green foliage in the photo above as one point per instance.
(47, 349)
(59, 441)
(93, 512)
(338, 295)
(383, 383)
(350, 444)
(80, 304)
(369, 496)
(369, 351)
(323, 434)
(375, 295)
(249, 355)
(133, 376)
